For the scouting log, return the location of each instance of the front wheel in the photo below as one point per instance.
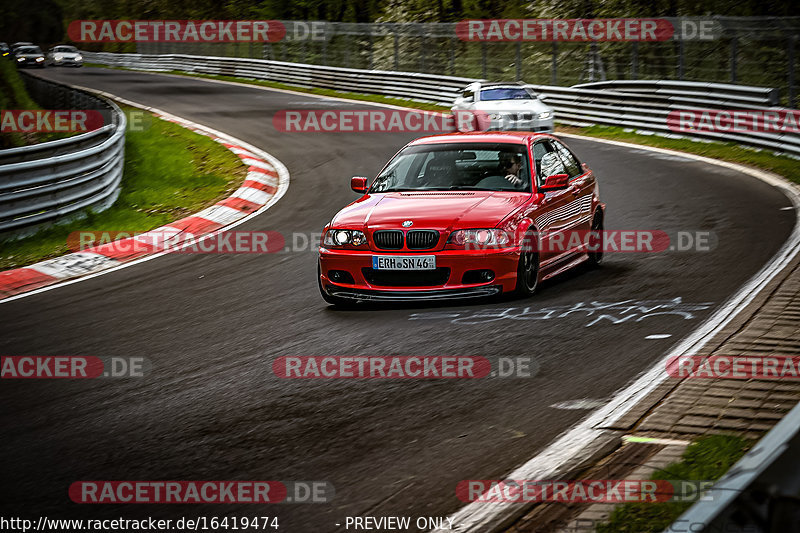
(596, 241)
(528, 268)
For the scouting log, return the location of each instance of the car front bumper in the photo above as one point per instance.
(448, 282)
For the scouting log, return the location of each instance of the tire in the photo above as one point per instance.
(527, 270)
(596, 257)
(342, 303)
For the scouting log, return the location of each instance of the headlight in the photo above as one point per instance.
(342, 237)
(20, 59)
(39, 59)
(544, 115)
(78, 57)
(59, 57)
(479, 237)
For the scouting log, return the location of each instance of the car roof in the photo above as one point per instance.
(510, 137)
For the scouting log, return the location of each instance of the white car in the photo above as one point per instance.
(64, 56)
(509, 106)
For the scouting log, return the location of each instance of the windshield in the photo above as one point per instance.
(65, 49)
(506, 93)
(30, 50)
(461, 166)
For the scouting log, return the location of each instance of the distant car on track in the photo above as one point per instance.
(507, 106)
(29, 56)
(460, 215)
(64, 56)
(5, 51)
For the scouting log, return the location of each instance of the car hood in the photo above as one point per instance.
(30, 56)
(67, 55)
(443, 211)
(513, 106)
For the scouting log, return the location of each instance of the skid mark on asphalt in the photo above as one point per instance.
(594, 312)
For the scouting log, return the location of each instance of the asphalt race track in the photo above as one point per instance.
(213, 324)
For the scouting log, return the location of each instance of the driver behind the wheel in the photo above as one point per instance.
(510, 165)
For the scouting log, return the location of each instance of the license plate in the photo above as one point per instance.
(404, 262)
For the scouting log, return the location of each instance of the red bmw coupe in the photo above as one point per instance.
(461, 215)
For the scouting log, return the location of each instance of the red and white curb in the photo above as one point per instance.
(266, 182)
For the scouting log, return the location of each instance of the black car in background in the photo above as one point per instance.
(29, 56)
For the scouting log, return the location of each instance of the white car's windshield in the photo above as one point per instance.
(467, 166)
(65, 49)
(506, 93)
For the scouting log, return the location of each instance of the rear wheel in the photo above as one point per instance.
(528, 268)
(596, 240)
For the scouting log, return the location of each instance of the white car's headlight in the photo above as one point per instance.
(78, 57)
(342, 237)
(544, 115)
(58, 57)
(479, 237)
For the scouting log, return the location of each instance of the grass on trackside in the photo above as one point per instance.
(706, 459)
(785, 166)
(170, 172)
(14, 96)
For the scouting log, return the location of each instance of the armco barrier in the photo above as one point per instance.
(53, 181)
(642, 106)
(759, 494)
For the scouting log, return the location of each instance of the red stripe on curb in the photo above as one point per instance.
(22, 280)
(239, 203)
(263, 171)
(195, 225)
(260, 186)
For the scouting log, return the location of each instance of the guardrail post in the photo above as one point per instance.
(325, 50)
(396, 51)
(518, 60)
(680, 59)
(734, 54)
(371, 55)
(635, 60)
(452, 57)
(483, 59)
(554, 68)
(790, 58)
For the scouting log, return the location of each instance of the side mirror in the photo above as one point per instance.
(359, 184)
(555, 182)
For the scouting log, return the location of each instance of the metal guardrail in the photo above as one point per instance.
(759, 494)
(640, 105)
(55, 181)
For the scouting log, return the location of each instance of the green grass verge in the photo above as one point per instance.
(13, 95)
(170, 172)
(706, 459)
(782, 165)
(402, 102)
